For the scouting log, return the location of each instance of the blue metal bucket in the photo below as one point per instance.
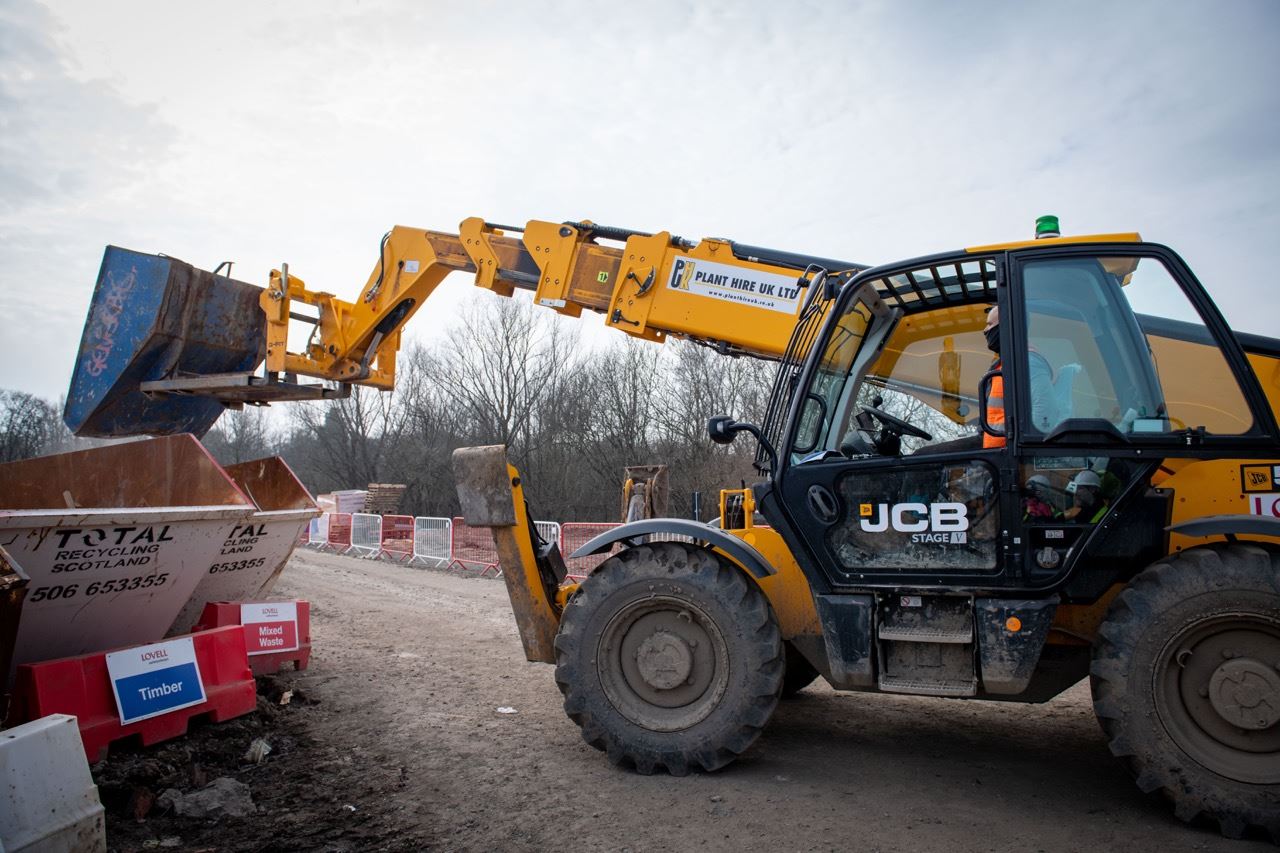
(153, 318)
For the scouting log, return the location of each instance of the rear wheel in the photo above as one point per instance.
(1186, 684)
(669, 659)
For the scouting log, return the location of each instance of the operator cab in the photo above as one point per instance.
(883, 469)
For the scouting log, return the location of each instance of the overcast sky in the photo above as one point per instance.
(300, 132)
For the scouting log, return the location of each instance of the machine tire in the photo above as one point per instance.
(1186, 684)
(800, 673)
(669, 658)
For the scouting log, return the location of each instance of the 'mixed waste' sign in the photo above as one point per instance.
(270, 627)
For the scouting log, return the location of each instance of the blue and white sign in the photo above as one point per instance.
(155, 679)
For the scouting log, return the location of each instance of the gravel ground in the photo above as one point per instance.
(394, 742)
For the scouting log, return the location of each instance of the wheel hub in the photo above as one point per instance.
(1219, 698)
(1246, 693)
(663, 663)
(664, 660)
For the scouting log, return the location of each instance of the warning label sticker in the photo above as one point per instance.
(735, 284)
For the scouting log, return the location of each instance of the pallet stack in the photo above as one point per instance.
(384, 498)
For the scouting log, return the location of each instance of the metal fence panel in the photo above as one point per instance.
(397, 537)
(432, 541)
(366, 534)
(575, 534)
(548, 530)
(338, 537)
(473, 548)
(318, 531)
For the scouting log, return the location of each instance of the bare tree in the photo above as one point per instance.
(349, 443)
(241, 436)
(499, 363)
(29, 426)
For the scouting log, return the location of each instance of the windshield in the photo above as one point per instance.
(826, 407)
(918, 356)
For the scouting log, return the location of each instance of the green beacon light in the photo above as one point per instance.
(1047, 226)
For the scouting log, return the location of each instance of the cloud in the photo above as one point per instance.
(870, 131)
(70, 150)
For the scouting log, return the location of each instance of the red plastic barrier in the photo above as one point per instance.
(397, 536)
(473, 548)
(81, 686)
(218, 614)
(575, 534)
(339, 532)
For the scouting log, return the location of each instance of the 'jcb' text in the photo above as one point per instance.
(941, 523)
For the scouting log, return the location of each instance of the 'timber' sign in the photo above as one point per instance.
(270, 627)
(151, 680)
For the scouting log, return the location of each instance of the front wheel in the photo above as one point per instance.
(1186, 684)
(669, 659)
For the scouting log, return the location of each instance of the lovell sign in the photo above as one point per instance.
(270, 627)
(151, 680)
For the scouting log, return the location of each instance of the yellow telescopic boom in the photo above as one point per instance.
(167, 346)
(653, 286)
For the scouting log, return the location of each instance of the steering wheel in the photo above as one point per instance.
(895, 424)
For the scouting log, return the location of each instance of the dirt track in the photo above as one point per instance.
(410, 667)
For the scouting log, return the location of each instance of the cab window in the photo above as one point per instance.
(928, 373)
(1089, 357)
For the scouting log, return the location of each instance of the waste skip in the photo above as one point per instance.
(13, 589)
(255, 551)
(114, 541)
(152, 318)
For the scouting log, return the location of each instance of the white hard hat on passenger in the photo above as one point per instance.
(1085, 478)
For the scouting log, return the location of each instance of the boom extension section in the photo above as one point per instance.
(739, 299)
(653, 286)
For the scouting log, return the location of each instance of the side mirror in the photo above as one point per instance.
(719, 429)
(723, 428)
(984, 392)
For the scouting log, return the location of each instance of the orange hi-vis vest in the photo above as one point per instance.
(995, 410)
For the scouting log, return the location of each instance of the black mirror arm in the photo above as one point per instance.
(984, 392)
(723, 428)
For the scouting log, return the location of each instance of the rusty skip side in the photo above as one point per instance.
(174, 471)
(13, 589)
(491, 495)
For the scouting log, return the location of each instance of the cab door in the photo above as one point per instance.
(884, 474)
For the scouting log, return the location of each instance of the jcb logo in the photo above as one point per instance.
(940, 522)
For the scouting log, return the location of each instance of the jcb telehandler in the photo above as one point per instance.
(1099, 500)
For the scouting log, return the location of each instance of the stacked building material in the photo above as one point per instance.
(384, 498)
(344, 500)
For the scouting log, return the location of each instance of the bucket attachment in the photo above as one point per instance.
(157, 318)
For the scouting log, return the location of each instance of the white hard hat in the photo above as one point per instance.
(1084, 478)
(1038, 482)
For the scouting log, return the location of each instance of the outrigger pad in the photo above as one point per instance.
(154, 317)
